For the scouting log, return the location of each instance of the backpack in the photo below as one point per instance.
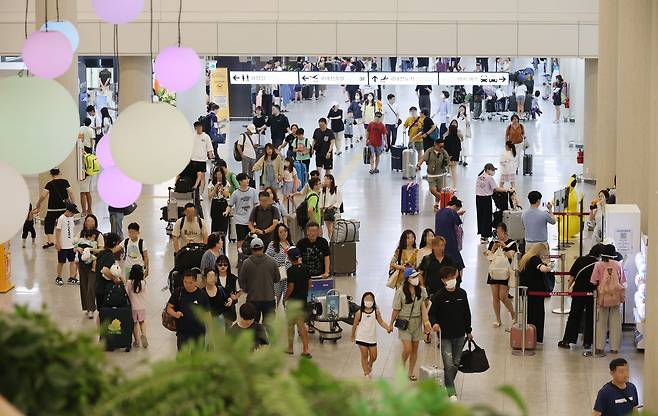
(302, 212)
(140, 244)
(208, 126)
(92, 166)
(500, 267)
(236, 151)
(610, 290)
(182, 222)
(183, 185)
(116, 296)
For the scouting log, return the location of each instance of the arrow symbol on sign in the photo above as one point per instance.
(503, 79)
(235, 77)
(374, 78)
(304, 77)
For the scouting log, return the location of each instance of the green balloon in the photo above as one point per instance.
(39, 123)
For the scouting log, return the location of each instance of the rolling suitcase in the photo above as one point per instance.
(513, 219)
(516, 337)
(396, 158)
(511, 103)
(445, 197)
(409, 163)
(302, 174)
(527, 164)
(409, 200)
(432, 371)
(343, 258)
(491, 106)
(320, 287)
(366, 155)
(116, 327)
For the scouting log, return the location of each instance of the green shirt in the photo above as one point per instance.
(406, 308)
(313, 201)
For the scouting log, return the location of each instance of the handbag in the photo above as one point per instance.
(403, 324)
(329, 214)
(549, 281)
(459, 234)
(169, 321)
(394, 274)
(283, 272)
(130, 209)
(473, 360)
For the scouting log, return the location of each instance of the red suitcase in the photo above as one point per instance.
(516, 337)
(445, 197)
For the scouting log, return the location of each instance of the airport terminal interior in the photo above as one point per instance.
(587, 145)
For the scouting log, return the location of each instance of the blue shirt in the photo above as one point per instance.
(611, 400)
(534, 221)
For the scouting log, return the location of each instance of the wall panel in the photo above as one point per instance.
(548, 40)
(306, 38)
(252, 38)
(375, 39)
(588, 40)
(487, 39)
(431, 39)
(202, 37)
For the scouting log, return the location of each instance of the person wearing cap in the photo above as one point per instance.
(323, 144)
(391, 120)
(410, 317)
(299, 282)
(257, 277)
(337, 124)
(609, 278)
(536, 220)
(242, 202)
(437, 160)
(58, 192)
(485, 186)
(65, 244)
(247, 150)
(279, 126)
(376, 140)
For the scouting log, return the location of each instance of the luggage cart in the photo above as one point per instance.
(175, 207)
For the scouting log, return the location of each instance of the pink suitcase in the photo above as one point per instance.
(516, 336)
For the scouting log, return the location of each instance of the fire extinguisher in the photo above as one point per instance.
(566, 102)
(581, 156)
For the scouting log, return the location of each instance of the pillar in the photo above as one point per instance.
(134, 80)
(192, 102)
(590, 117)
(633, 73)
(603, 154)
(68, 10)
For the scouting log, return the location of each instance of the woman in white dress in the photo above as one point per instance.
(509, 165)
(464, 126)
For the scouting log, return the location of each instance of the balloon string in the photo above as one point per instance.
(57, 7)
(180, 11)
(151, 51)
(46, 3)
(27, 6)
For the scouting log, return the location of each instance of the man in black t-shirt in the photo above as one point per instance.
(279, 126)
(323, 144)
(58, 192)
(104, 261)
(432, 264)
(247, 322)
(424, 102)
(315, 251)
(299, 281)
(183, 305)
(264, 218)
(579, 276)
(337, 125)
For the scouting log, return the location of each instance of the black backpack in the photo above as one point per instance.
(302, 213)
(116, 296)
(140, 244)
(184, 184)
(207, 123)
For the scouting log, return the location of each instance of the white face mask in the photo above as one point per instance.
(414, 281)
(368, 303)
(451, 284)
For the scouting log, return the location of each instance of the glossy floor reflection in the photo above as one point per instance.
(554, 382)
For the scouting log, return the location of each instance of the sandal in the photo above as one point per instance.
(47, 245)
(290, 352)
(413, 378)
(307, 355)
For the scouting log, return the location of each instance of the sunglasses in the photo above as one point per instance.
(222, 265)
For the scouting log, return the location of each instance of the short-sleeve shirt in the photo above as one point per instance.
(436, 161)
(322, 141)
(534, 221)
(88, 135)
(423, 89)
(313, 201)
(131, 253)
(104, 259)
(66, 225)
(431, 266)
(202, 146)
(186, 302)
(611, 401)
(581, 270)
(57, 194)
(414, 127)
(337, 125)
(412, 309)
(259, 332)
(189, 231)
(313, 254)
(243, 203)
(299, 275)
(485, 185)
(376, 134)
(263, 218)
(531, 276)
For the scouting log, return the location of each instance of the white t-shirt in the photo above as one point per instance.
(521, 90)
(391, 113)
(202, 145)
(131, 254)
(66, 225)
(248, 150)
(87, 136)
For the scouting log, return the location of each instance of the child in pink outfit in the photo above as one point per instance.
(136, 288)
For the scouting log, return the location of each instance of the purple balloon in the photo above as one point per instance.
(47, 54)
(118, 11)
(177, 69)
(116, 189)
(103, 152)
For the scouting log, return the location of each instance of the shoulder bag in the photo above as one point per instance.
(394, 274)
(329, 214)
(403, 324)
(473, 360)
(169, 321)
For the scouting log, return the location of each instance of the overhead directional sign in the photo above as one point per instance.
(263, 77)
(334, 78)
(473, 78)
(403, 78)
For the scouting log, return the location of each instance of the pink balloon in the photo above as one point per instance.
(116, 189)
(47, 54)
(103, 152)
(118, 11)
(177, 69)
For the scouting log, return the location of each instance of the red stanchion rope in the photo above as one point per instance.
(572, 294)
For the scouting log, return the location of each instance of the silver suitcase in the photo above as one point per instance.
(432, 371)
(514, 222)
(409, 163)
(232, 234)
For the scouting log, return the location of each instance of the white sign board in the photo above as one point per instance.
(403, 78)
(263, 77)
(333, 78)
(473, 78)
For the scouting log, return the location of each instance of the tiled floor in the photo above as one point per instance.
(554, 382)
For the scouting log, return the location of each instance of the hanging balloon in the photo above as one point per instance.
(177, 69)
(34, 145)
(118, 11)
(116, 189)
(17, 203)
(103, 152)
(151, 142)
(67, 29)
(47, 54)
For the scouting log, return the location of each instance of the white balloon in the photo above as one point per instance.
(151, 142)
(31, 140)
(17, 203)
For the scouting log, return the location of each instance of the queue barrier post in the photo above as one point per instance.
(522, 292)
(563, 274)
(596, 351)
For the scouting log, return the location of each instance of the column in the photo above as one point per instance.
(590, 117)
(67, 11)
(603, 154)
(633, 75)
(192, 102)
(134, 80)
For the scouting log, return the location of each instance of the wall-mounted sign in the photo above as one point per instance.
(263, 77)
(334, 78)
(403, 78)
(473, 78)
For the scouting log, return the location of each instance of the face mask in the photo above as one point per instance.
(451, 284)
(368, 303)
(414, 281)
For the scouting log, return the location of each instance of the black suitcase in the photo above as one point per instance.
(527, 105)
(511, 103)
(396, 158)
(116, 327)
(306, 92)
(366, 155)
(343, 258)
(189, 257)
(490, 107)
(527, 164)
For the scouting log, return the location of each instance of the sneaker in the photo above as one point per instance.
(371, 171)
(464, 164)
(346, 147)
(90, 315)
(376, 171)
(73, 281)
(59, 281)
(564, 345)
(453, 398)
(145, 342)
(351, 146)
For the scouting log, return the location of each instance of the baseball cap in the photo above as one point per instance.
(490, 166)
(72, 208)
(410, 272)
(256, 243)
(378, 114)
(252, 128)
(294, 253)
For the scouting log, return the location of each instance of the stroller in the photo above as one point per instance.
(327, 311)
(182, 194)
(188, 258)
(503, 202)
